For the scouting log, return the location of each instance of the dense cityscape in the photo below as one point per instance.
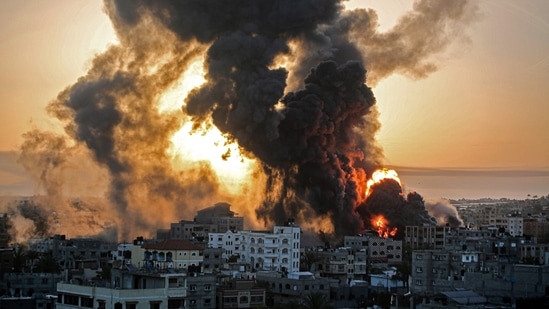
(497, 258)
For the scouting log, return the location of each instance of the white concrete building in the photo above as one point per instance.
(515, 225)
(264, 250)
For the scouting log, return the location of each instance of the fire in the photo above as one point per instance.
(381, 225)
(205, 144)
(378, 176)
(233, 169)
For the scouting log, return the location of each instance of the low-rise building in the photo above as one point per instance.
(240, 294)
(295, 286)
(140, 288)
(168, 253)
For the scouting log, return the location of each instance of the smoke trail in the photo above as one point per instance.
(284, 79)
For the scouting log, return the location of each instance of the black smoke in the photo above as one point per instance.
(285, 79)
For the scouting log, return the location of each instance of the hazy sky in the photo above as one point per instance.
(487, 105)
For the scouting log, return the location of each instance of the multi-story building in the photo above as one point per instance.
(515, 224)
(27, 284)
(168, 253)
(537, 226)
(213, 260)
(534, 253)
(385, 250)
(69, 251)
(240, 294)
(263, 250)
(295, 286)
(426, 236)
(215, 219)
(133, 288)
(436, 271)
(465, 238)
(344, 264)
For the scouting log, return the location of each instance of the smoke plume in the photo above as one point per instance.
(286, 80)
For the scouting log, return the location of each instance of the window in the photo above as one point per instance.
(86, 302)
(71, 300)
(131, 305)
(100, 304)
(155, 304)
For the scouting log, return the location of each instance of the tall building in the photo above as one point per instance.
(263, 250)
(215, 219)
(426, 236)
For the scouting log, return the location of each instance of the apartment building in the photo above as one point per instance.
(168, 253)
(537, 226)
(385, 251)
(426, 236)
(240, 294)
(70, 251)
(133, 288)
(263, 250)
(343, 264)
(436, 271)
(215, 219)
(295, 286)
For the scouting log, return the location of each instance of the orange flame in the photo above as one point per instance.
(378, 176)
(380, 223)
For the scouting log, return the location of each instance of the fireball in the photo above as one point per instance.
(380, 175)
(380, 224)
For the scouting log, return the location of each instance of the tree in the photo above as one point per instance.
(32, 257)
(47, 264)
(307, 260)
(316, 301)
(106, 272)
(19, 259)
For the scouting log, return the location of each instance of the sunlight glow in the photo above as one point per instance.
(205, 145)
(208, 145)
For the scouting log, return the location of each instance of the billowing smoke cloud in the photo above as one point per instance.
(285, 79)
(444, 212)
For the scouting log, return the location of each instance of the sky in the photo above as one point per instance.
(475, 127)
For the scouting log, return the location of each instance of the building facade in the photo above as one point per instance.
(133, 288)
(263, 250)
(215, 219)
